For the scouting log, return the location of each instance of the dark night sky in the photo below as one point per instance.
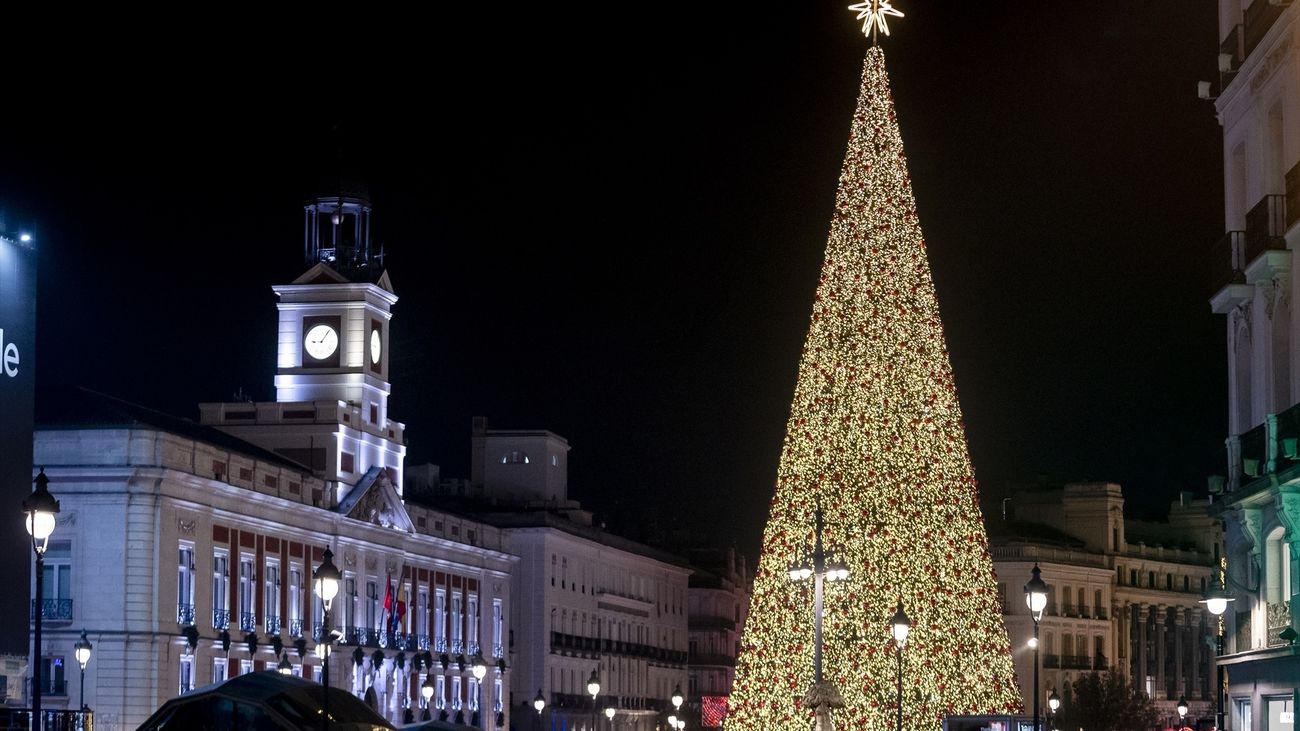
(608, 222)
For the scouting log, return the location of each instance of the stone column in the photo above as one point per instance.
(1143, 628)
(1162, 647)
(1180, 668)
(1197, 648)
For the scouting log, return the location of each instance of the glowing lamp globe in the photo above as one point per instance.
(539, 702)
(1036, 593)
(426, 689)
(479, 666)
(901, 625)
(327, 578)
(593, 684)
(609, 712)
(677, 696)
(1054, 701)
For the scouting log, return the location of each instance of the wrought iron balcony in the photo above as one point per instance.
(53, 610)
(317, 632)
(498, 650)
(184, 614)
(1260, 16)
(273, 625)
(1265, 223)
(439, 644)
(221, 619)
(457, 646)
(247, 622)
(295, 628)
(472, 648)
(1279, 619)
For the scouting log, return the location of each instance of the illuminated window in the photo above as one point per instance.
(514, 457)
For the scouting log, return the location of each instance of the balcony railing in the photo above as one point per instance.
(457, 647)
(1232, 51)
(295, 628)
(712, 658)
(1265, 223)
(1293, 196)
(1076, 662)
(273, 625)
(184, 614)
(1228, 261)
(221, 619)
(54, 610)
(498, 650)
(561, 642)
(1259, 18)
(247, 622)
(440, 644)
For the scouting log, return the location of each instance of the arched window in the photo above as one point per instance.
(514, 457)
(1277, 567)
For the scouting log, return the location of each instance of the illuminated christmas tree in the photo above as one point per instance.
(875, 438)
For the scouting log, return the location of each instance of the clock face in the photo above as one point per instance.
(376, 347)
(321, 341)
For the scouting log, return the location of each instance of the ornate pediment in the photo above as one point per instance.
(375, 500)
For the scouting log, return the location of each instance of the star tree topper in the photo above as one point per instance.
(872, 14)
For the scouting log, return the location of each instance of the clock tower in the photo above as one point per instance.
(331, 380)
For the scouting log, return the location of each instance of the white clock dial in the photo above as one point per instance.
(321, 342)
(376, 346)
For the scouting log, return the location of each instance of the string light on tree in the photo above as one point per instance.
(872, 13)
(875, 434)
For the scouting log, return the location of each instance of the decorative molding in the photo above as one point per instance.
(390, 566)
(371, 563)
(1271, 63)
(186, 527)
(350, 560)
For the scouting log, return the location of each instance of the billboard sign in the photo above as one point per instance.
(17, 400)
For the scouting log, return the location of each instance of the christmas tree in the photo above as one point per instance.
(875, 439)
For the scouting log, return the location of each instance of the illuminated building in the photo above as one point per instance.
(1258, 106)
(1124, 594)
(186, 550)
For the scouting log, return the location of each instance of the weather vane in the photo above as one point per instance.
(872, 14)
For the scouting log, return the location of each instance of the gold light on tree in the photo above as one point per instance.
(875, 434)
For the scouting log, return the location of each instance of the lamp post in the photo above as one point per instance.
(822, 570)
(82, 651)
(39, 507)
(1053, 703)
(1036, 599)
(539, 703)
(327, 587)
(1182, 711)
(1216, 601)
(284, 666)
(901, 626)
(593, 687)
(609, 713)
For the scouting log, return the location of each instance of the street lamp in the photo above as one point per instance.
(901, 625)
(39, 508)
(1216, 601)
(426, 692)
(593, 687)
(1053, 703)
(609, 713)
(822, 570)
(672, 722)
(285, 667)
(677, 697)
(478, 666)
(1182, 711)
(327, 587)
(1036, 599)
(82, 651)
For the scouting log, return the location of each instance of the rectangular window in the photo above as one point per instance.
(185, 585)
(496, 693)
(455, 692)
(456, 619)
(52, 682)
(220, 594)
(219, 668)
(473, 694)
(1132, 577)
(439, 692)
(187, 673)
(295, 601)
(497, 629)
(473, 623)
(372, 604)
(247, 618)
(245, 667)
(422, 613)
(350, 601)
(440, 620)
(57, 603)
(271, 596)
